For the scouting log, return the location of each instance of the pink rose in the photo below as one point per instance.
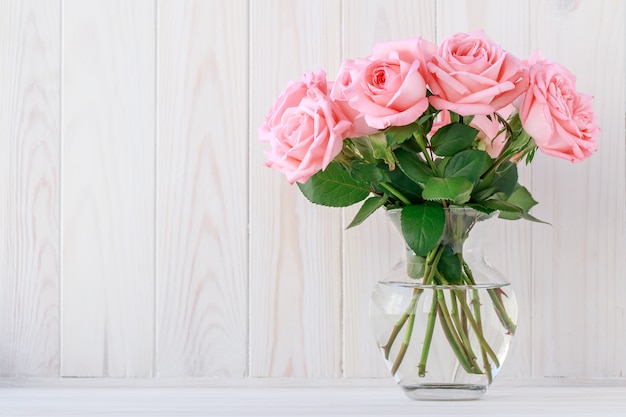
(407, 50)
(471, 75)
(388, 92)
(560, 119)
(304, 129)
(349, 70)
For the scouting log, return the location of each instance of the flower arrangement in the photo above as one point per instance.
(421, 127)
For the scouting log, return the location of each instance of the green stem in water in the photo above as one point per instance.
(494, 294)
(453, 338)
(432, 315)
(486, 364)
(459, 325)
(405, 343)
(400, 323)
(476, 326)
(503, 315)
(459, 342)
(479, 334)
(476, 305)
(409, 314)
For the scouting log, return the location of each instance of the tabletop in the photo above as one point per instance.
(269, 397)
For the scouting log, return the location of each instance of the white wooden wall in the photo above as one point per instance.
(141, 235)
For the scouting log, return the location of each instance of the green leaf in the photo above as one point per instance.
(521, 198)
(397, 134)
(413, 166)
(440, 165)
(402, 183)
(530, 217)
(470, 164)
(334, 187)
(367, 209)
(455, 189)
(506, 178)
(502, 206)
(503, 180)
(450, 266)
(481, 194)
(366, 172)
(480, 208)
(422, 226)
(452, 138)
(416, 265)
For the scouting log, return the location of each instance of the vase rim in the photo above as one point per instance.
(470, 211)
(450, 208)
(419, 285)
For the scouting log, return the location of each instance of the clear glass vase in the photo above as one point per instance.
(446, 338)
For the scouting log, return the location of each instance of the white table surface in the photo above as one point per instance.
(270, 397)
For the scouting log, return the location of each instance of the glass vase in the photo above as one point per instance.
(446, 338)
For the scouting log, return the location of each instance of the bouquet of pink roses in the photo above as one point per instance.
(422, 127)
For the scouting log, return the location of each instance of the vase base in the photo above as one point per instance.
(445, 392)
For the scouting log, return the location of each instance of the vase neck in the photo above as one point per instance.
(458, 256)
(459, 222)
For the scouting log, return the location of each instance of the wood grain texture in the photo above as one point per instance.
(141, 235)
(373, 248)
(108, 188)
(202, 213)
(29, 188)
(509, 244)
(579, 291)
(295, 247)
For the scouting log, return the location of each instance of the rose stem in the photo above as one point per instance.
(464, 324)
(504, 152)
(400, 323)
(454, 342)
(458, 343)
(501, 311)
(461, 347)
(432, 315)
(405, 343)
(429, 270)
(487, 365)
(421, 142)
(476, 303)
(462, 332)
(393, 191)
(479, 334)
(497, 301)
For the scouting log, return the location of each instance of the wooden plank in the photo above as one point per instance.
(202, 253)
(509, 245)
(579, 289)
(295, 247)
(29, 186)
(108, 188)
(373, 248)
(104, 171)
